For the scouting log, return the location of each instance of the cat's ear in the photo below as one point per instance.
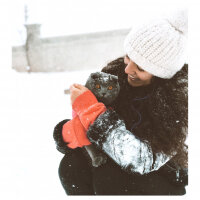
(94, 75)
(113, 78)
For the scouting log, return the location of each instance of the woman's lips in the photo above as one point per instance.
(133, 78)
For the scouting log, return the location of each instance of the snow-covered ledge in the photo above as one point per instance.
(66, 53)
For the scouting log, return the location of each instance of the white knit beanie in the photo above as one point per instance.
(159, 47)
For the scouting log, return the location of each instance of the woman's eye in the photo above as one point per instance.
(110, 87)
(140, 69)
(97, 86)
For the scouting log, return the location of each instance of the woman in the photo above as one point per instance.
(144, 134)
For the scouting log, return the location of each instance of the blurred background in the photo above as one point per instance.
(53, 44)
(51, 36)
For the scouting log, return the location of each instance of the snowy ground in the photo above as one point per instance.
(31, 105)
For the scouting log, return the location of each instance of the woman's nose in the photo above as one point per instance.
(126, 70)
(129, 70)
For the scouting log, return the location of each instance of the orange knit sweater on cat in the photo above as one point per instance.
(74, 131)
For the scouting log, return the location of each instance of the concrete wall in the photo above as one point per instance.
(66, 53)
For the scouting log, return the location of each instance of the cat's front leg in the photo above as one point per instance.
(98, 158)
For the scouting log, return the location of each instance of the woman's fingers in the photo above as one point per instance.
(76, 90)
(76, 85)
(79, 86)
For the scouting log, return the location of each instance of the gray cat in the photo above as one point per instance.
(106, 88)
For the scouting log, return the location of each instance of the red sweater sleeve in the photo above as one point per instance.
(74, 134)
(88, 108)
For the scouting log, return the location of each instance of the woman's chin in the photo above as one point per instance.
(137, 82)
(134, 83)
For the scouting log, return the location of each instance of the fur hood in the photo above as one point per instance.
(157, 113)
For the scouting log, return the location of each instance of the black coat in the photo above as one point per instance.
(141, 116)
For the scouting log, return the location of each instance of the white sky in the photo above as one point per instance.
(66, 17)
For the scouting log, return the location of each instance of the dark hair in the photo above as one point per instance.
(174, 93)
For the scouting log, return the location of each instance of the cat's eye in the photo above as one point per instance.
(97, 86)
(110, 87)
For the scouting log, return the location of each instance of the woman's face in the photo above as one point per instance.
(136, 76)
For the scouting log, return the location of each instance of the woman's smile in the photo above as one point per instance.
(136, 75)
(133, 77)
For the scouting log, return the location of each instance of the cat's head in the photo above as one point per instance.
(104, 86)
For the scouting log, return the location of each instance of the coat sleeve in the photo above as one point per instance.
(88, 108)
(74, 134)
(57, 135)
(109, 133)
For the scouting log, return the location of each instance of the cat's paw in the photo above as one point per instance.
(99, 160)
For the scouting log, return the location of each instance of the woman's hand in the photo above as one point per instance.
(76, 90)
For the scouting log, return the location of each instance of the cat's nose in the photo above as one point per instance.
(104, 93)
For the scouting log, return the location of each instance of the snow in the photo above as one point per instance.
(127, 150)
(31, 105)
